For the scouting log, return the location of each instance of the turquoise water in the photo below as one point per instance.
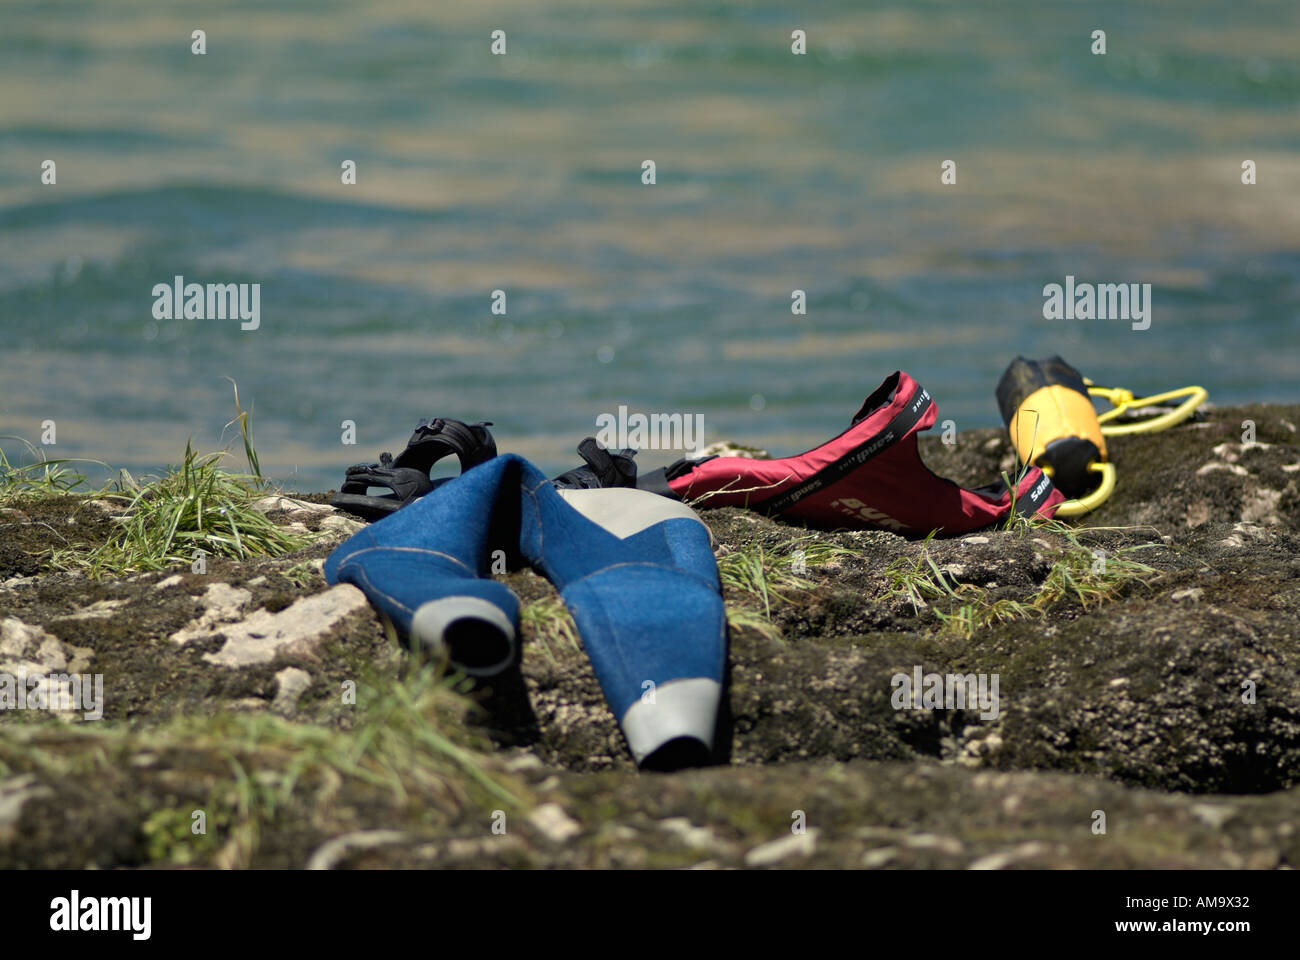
(523, 173)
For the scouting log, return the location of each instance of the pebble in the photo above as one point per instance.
(774, 851)
(932, 841)
(292, 684)
(524, 762)
(290, 505)
(1232, 468)
(553, 823)
(1213, 815)
(334, 851)
(687, 832)
(996, 861)
(340, 525)
(104, 608)
(879, 857)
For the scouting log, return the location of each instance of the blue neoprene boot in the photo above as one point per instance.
(635, 570)
(642, 586)
(426, 567)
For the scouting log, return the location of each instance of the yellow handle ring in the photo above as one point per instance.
(1123, 400)
(1074, 508)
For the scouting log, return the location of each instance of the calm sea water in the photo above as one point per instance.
(522, 173)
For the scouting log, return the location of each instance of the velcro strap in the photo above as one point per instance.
(403, 481)
(471, 443)
(597, 457)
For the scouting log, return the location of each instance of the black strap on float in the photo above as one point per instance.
(656, 481)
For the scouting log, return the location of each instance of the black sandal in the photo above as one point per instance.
(603, 469)
(407, 475)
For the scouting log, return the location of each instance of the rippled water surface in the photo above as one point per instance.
(523, 173)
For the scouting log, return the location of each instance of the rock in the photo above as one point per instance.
(997, 861)
(879, 857)
(524, 763)
(1230, 467)
(291, 506)
(340, 526)
(774, 851)
(1212, 814)
(948, 845)
(264, 635)
(1261, 506)
(292, 683)
(31, 651)
(330, 854)
(553, 823)
(223, 604)
(688, 833)
(103, 608)
(1231, 452)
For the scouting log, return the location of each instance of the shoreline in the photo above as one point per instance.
(1126, 698)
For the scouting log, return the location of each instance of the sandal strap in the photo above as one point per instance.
(603, 469)
(405, 482)
(432, 440)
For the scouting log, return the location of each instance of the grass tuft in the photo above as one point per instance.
(763, 574)
(246, 433)
(1076, 575)
(42, 477)
(1079, 575)
(195, 509)
(547, 621)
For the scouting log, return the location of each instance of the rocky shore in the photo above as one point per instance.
(1147, 661)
